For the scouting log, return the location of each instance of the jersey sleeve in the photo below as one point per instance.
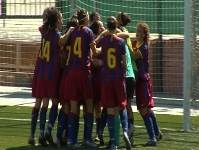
(144, 51)
(123, 47)
(91, 36)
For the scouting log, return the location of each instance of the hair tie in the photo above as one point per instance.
(84, 17)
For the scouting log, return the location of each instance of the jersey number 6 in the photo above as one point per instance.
(111, 59)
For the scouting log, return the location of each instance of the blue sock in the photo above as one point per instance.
(98, 122)
(130, 122)
(35, 112)
(61, 124)
(72, 125)
(60, 112)
(52, 118)
(155, 125)
(84, 116)
(124, 120)
(42, 121)
(103, 120)
(111, 128)
(149, 126)
(89, 126)
(76, 130)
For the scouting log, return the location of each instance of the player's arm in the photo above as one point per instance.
(95, 51)
(124, 63)
(63, 39)
(123, 35)
(136, 55)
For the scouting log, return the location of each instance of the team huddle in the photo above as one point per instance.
(97, 68)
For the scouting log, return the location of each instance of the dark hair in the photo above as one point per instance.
(50, 17)
(95, 27)
(145, 28)
(124, 18)
(111, 23)
(81, 15)
(74, 15)
(71, 23)
(93, 15)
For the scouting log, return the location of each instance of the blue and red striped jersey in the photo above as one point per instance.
(48, 61)
(142, 63)
(113, 48)
(80, 39)
(67, 52)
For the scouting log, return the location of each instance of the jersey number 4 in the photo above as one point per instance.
(77, 47)
(45, 51)
(111, 59)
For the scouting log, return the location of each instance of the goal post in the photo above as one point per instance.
(186, 66)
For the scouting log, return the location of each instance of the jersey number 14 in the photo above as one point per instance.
(45, 50)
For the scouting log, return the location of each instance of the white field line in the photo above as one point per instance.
(28, 120)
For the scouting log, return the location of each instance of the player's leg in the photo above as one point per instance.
(52, 119)
(62, 121)
(122, 102)
(144, 104)
(130, 87)
(157, 131)
(73, 121)
(35, 112)
(84, 132)
(111, 127)
(117, 126)
(89, 123)
(43, 112)
(87, 93)
(97, 109)
(102, 125)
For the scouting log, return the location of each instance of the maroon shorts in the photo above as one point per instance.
(144, 94)
(113, 94)
(62, 85)
(97, 83)
(78, 85)
(47, 89)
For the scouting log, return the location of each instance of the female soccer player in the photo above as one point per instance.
(123, 19)
(113, 85)
(94, 16)
(46, 73)
(80, 80)
(96, 70)
(61, 135)
(144, 99)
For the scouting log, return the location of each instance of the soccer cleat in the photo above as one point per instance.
(56, 142)
(70, 145)
(159, 137)
(127, 141)
(42, 142)
(113, 147)
(96, 139)
(31, 141)
(49, 138)
(101, 139)
(151, 143)
(83, 143)
(91, 144)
